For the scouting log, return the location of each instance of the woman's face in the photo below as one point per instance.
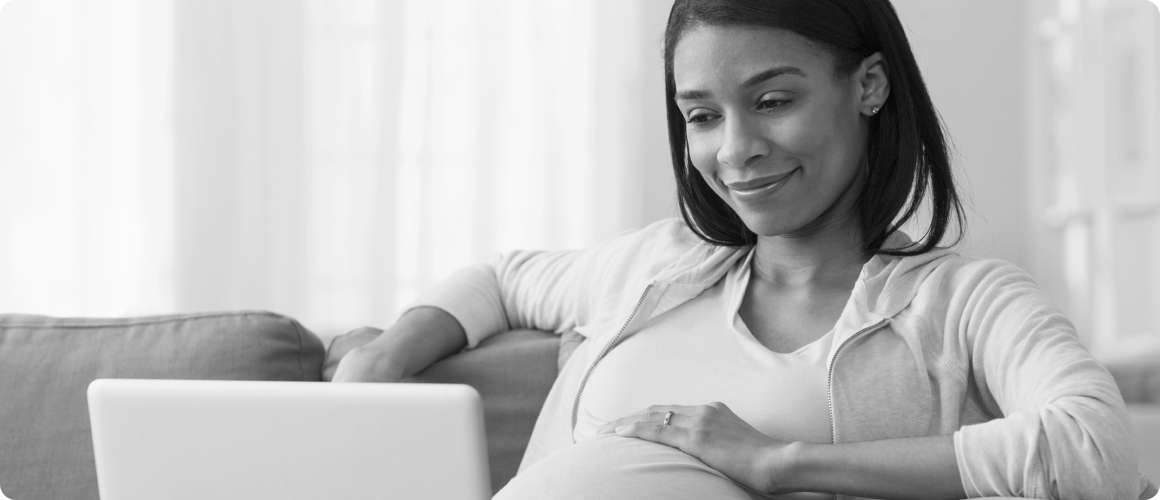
(770, 126)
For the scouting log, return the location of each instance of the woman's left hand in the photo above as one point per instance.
(716, 436)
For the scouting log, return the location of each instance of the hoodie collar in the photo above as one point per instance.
(889, 283)
(886, 285)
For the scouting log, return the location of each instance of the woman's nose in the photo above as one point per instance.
(742, 143)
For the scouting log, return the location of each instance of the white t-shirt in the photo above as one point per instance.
(702, 352)
(697, 353)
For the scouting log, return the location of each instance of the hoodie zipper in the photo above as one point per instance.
(830, 375)
(830, 378)
(608, 347)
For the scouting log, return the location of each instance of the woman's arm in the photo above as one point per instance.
(560, 290)
(555, 291)
(904, 468)
(422, 336)
(1064, 431)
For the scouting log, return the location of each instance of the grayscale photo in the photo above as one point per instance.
(579, 249)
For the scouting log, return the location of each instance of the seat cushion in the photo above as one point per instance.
(513, 372)
(46, 365)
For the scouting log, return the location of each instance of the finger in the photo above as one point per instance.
(611, 427)
(646, 417)
(655, 414)
(663, 409)
(669, 435)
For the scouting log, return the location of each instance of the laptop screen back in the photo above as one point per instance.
(178, 439)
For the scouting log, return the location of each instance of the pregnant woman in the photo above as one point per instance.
(785, 338)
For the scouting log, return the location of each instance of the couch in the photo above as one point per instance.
(47, 363)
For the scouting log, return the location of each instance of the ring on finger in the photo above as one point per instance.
(668, 416)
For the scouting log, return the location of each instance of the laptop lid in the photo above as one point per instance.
(192, 439)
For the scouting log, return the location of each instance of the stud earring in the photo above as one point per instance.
(874, 110)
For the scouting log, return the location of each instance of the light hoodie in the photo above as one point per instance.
(928, 345)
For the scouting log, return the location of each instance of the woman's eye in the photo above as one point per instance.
(772, 103)
(699, 118)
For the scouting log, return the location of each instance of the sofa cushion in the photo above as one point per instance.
(46, 365)
(513, 372)
(1138, 378)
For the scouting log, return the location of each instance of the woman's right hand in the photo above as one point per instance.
(420, 337)
(370, 364)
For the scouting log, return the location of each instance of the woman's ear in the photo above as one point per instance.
(873, 84)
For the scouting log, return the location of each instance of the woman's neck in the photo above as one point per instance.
(826, 255)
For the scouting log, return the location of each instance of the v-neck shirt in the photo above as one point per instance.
(701, 352)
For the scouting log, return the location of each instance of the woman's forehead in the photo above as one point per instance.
(731, 54)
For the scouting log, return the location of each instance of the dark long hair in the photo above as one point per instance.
(907, 151)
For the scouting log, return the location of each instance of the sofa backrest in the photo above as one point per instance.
(46, 364)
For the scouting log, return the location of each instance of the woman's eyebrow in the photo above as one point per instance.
(763, 76)
(772, 73)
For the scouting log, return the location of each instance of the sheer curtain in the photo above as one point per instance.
(323, 159)
(507, 124)
(85, 157)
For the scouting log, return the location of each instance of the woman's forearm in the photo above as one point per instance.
(419, 338)
(904, 468)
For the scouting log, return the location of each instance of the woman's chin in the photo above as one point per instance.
(797, 224)
(770, 226)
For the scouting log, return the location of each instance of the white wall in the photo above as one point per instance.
(971, 55)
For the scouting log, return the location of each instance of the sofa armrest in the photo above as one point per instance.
(513, 372)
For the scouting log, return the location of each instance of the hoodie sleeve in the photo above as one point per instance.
(1064, 431)
(555, 291)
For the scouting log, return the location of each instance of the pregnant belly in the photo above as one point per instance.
(611, 468)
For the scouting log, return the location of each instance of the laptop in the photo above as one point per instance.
(194, 439)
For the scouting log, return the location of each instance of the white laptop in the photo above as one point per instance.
(225, 440)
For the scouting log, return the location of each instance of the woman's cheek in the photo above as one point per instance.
(704, 157)
(795, 136)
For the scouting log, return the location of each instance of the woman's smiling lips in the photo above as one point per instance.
(756, 188)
